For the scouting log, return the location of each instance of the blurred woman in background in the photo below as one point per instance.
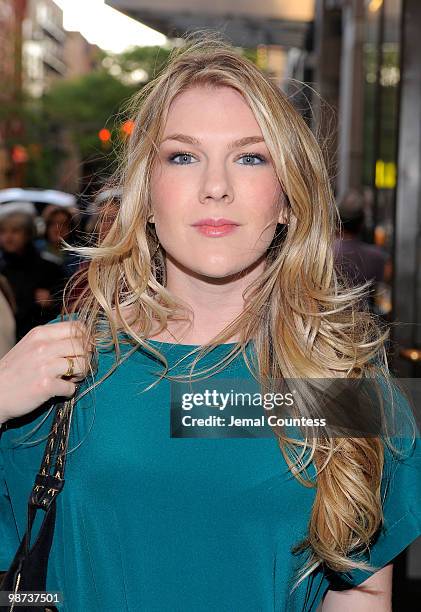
(36, 283)
(59, 225)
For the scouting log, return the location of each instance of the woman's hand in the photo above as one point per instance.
(31, 372)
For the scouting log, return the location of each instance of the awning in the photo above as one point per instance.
(245, 22)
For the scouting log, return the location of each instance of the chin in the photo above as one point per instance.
(211, 266)
(218, 272)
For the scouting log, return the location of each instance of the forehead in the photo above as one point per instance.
(12, 224)
(210, 108)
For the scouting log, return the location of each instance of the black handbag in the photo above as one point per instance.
(28, 570)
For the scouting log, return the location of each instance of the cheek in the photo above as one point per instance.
(263, 210)
(169, 201)
(165, 191)
(261, 190)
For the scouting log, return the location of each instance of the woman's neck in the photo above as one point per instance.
(215, 303)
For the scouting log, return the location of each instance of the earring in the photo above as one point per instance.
(158, 244)
(156, 250)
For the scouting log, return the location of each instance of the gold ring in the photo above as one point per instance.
(71, 368)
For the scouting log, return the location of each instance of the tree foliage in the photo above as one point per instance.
(80, 107)
(85, 105)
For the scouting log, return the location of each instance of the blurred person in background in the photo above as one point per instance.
(59, 224)
(357, 260)
(36, 282)
(102, 213)
(7, 317)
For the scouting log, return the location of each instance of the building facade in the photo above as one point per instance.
(8, 78)
(43, 46)
(79, 56)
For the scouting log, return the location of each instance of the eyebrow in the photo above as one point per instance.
(241, 142)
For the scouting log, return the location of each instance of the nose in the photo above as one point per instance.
(216, 185)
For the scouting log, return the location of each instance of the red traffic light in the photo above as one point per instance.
(127, 127)
(19, 154)
(104, 135)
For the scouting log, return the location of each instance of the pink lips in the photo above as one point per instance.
(215, 227)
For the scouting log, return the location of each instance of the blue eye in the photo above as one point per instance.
(184, 154)
(251, 156)
(179, 154)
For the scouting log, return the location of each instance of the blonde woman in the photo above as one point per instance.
(220, 253)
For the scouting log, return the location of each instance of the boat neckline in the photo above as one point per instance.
(192, 346)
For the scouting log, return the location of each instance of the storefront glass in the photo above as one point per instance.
(382, 58)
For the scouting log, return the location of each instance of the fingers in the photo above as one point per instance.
(59, 330)
(58, 339)
(80, 367)
(32, 371)
(64, 388)
(50, 382)
(62, 348)
(68, 389)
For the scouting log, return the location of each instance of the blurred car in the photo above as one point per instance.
(37, 202)
(39, 197)
(18, 206)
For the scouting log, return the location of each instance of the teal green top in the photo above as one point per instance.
(150, 522)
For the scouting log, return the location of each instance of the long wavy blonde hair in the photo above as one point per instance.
(303, 319)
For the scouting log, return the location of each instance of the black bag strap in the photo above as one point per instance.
(50, 478)
(28, 570)
(47, 485)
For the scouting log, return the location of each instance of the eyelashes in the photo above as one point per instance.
(258, 156)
